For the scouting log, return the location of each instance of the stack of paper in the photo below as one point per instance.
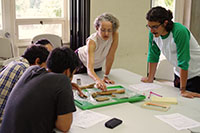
(86, 119)
(178, 121)
(144, 86)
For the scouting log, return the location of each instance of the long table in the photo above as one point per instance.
(136, 119)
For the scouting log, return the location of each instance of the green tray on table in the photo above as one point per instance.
(90, 102)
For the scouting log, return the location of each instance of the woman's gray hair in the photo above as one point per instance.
(107, 17)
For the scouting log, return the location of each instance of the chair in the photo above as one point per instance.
(55, 40)
(6, 51)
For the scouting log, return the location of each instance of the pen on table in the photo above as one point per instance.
(158, 105)
(154, 94)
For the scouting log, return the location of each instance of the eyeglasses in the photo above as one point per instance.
(104, 30)
(155, 27)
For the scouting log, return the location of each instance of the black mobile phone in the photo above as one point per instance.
(113, 123)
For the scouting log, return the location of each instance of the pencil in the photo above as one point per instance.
(156, 105)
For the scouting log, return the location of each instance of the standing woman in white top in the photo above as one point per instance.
(100, 46)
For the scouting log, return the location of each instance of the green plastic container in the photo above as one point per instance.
(90, 102)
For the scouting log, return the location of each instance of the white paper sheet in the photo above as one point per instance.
(178, 121)
(145, 86)
(86, 119)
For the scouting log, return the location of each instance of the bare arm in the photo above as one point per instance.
(183, 83)
(183, 79)
(152, 71)
(111, 55)
(76, 87)
(90, 66)
(64, 122)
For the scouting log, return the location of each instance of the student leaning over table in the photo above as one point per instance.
(179, 47)
(10, 74)
(100, 46)
(43, 99)
(49, 46)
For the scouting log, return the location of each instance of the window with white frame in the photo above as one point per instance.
(34, 17)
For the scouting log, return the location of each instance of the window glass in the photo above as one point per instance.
(39, 8)
(36, 29)
(168, 4)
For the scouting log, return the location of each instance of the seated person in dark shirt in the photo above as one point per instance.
(43, 99)
(10, 74)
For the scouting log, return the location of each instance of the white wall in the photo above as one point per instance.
(133, 35)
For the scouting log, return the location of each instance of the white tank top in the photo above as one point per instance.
(101, 51)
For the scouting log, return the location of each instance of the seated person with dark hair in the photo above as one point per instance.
(49, 46)
(46, 43)
(34, 55)
(43, 99)
(43, 42)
